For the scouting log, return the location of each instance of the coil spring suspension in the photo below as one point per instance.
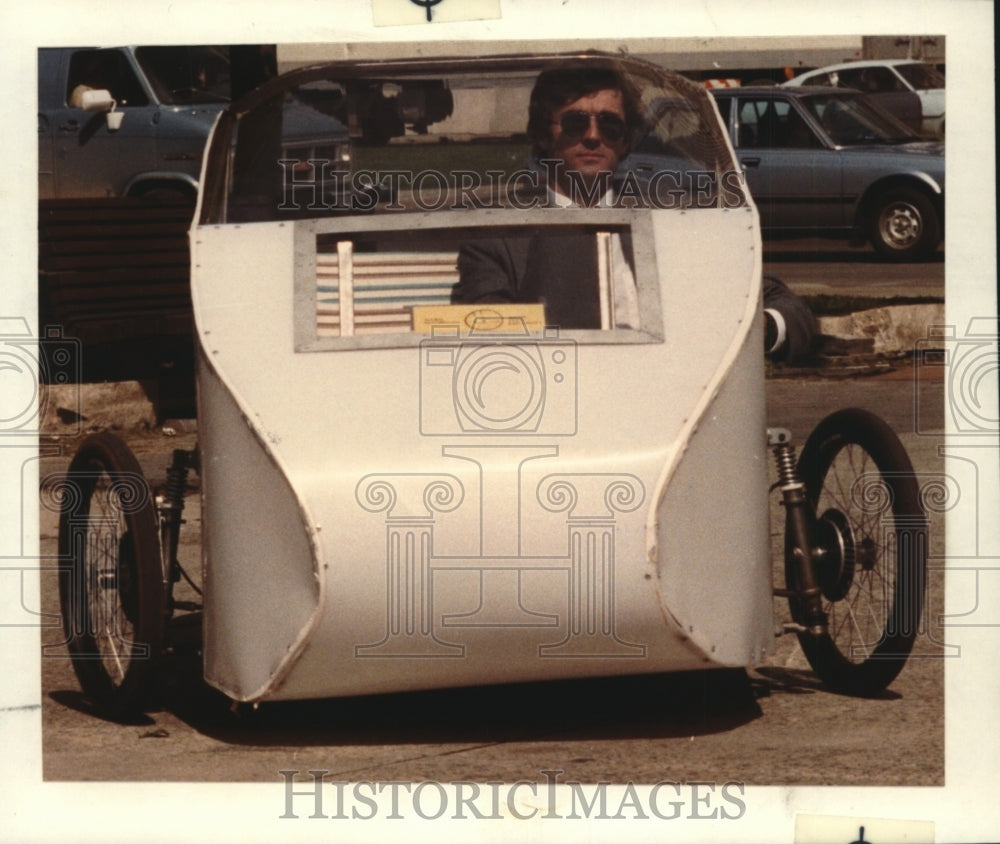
(801, 554)
(173, 493)
(784, 457)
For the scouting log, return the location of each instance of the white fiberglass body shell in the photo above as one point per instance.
(362, 535)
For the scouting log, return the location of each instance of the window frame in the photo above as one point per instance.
(307, 232)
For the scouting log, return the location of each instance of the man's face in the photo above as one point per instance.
(592, 152)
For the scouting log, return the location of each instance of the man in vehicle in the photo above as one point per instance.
(581, 123)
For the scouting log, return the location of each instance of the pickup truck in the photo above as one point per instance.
(127, 121)
(121, 133)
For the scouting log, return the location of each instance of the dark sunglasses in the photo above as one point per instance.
(576, 124)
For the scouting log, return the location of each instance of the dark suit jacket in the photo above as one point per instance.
(800, 327)
(558, 270)
(561, 272)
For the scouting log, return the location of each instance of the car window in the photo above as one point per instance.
(341, 145)
(187, 75)
(850, 119)
(921, 76)
(104, 70)
(871, 80)
(392, 276)
(767, 123)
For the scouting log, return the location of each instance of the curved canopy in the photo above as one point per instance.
(431, 134)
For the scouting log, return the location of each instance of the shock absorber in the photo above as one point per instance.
(173, 493)
(800, 552)
(171, 507)
(780, 440)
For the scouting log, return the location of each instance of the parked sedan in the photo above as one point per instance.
(890, 80)
(826, 161)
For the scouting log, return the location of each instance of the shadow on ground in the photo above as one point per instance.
(640, 706)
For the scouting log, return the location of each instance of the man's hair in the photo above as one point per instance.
(556, 87)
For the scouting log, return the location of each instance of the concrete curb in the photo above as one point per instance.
(71, 409)
(894, 329)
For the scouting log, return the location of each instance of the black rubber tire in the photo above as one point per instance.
(903, 224)
(111, 587)
(872, 530)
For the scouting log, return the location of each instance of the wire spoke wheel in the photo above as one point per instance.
(110, 585)
(871, 542)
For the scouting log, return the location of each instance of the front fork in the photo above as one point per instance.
(801, 553)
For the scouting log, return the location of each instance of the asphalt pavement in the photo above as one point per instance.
(817, 266)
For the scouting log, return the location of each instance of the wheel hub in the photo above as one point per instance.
(838, 555)
(866, 554)
(126, 576)
(901, 225)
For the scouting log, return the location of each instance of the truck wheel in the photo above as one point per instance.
(167, 196)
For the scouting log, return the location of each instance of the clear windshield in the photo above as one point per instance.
(923, 77)
(426, 137)
(853, 120)
(187, 75)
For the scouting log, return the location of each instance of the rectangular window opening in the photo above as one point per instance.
(392, 287)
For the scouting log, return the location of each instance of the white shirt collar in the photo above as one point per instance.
(560, 200)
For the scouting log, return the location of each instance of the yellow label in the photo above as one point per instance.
(466, 320)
